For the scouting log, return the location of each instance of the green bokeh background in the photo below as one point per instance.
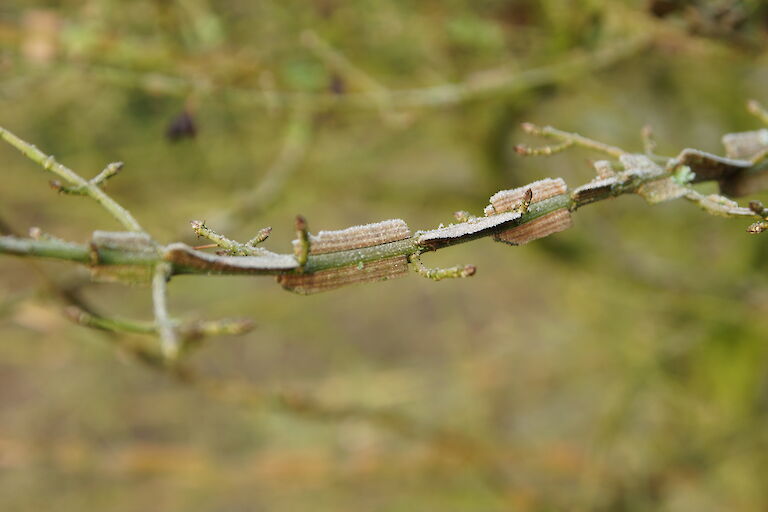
(620, 365)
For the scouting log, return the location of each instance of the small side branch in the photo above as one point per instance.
(438, 274)
(189, 332)
(230, 246)
(568, 139)
(89, 188)
(756, 109)
(109, 171)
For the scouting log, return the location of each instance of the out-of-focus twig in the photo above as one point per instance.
(297, 140)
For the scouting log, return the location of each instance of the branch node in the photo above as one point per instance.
(63, 189)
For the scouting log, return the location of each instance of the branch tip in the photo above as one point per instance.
(758, 227)
(530, 128)
(756, 109)
(262, 235)
(649, 140)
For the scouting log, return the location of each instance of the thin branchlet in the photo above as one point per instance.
(73, 179)
(169, 339)
(571, 139)
(438, 274)
(229, 246)
(756, 109)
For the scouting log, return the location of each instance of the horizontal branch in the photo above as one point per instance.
(185, 260)
(387, 249)
(475, 86)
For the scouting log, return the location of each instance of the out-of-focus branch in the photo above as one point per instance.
(250, 204)
(487, 83)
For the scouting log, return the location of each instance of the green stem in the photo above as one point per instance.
(91, 189)
(168, 337)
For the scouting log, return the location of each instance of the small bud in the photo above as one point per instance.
(462, 216)
(197, 225)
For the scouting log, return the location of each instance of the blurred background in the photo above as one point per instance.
(620, 365)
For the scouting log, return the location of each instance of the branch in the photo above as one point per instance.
(169, 340)
(385, 250)
(474, 86)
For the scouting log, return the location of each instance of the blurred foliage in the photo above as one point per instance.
(621, 365)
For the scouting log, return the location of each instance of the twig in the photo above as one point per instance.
(169, 340)
(756, 109)
(649, 140)
(231, 246)
(438, 274)
(472, 87)
(568, 139)
(89, 188)
(191, 331)
(296, 143)
(336, 60)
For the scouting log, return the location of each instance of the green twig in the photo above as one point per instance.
(168, 337)
(569, 139)
(756, 109)
(262, 235)
(438, 274)
(89, 188)
(230, 246)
